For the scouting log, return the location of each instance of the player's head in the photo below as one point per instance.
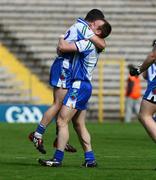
(93, 15)
(105, 29)
(101, 28)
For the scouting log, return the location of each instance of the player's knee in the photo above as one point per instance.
(61, 121)
(141, 117)
(57, 105)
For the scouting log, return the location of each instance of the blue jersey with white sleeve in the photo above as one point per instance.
(61, 70)
(150, 93)
(84, 61)
(151, 73)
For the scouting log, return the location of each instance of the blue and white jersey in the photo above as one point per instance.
(151, 73)
(78, 31)
(84, 61)
(61, 70)
(150, 93)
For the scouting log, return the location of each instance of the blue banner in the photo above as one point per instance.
(22, 113)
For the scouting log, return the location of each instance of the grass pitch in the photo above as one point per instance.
(123, 152)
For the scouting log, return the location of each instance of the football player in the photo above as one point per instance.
(60, 74)
(148, 104)
(76, 99)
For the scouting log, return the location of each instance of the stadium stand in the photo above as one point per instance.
(29, 80)
(11, 91)
(30, 29)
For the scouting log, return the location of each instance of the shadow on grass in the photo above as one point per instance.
(36, 164)
(19, 163)
(33, 164)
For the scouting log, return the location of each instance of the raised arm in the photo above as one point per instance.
(88, 34)
(80, 46)
(98, 42)
(151, 58)
(65, 47)
(144, 74)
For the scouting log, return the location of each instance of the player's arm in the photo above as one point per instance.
(65, 47)
(90, 35)
(79, 46)
(151, 58)
(144, 75)
(98, 42)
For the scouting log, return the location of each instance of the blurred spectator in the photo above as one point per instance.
(133, 94)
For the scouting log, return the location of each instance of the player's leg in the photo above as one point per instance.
(36, 137)
(84, 137)
(68, 147)
(82, 132)
(147, 110)
(76, 99)
(64, 116)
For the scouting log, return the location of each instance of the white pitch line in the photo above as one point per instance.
(20, 157)
(121, 156)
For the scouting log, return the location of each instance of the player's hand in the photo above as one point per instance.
(134, 71)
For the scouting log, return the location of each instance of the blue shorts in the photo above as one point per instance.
(150, 94)
(78, 95)
(60, 73)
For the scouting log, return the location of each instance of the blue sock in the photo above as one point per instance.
(89, 156)
(58, 155)
(40, 129)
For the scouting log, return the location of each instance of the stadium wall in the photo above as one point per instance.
(15, 113)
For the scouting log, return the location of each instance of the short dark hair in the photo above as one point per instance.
(94, 14)
(106, 29)
(130, 66)
(154, 43)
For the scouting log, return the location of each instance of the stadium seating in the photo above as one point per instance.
(31, 29)
(11, 91)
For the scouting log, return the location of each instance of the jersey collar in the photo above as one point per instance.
(82, 21)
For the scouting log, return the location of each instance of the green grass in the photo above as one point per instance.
(123, 152)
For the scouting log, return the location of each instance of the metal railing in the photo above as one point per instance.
(101, 87)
